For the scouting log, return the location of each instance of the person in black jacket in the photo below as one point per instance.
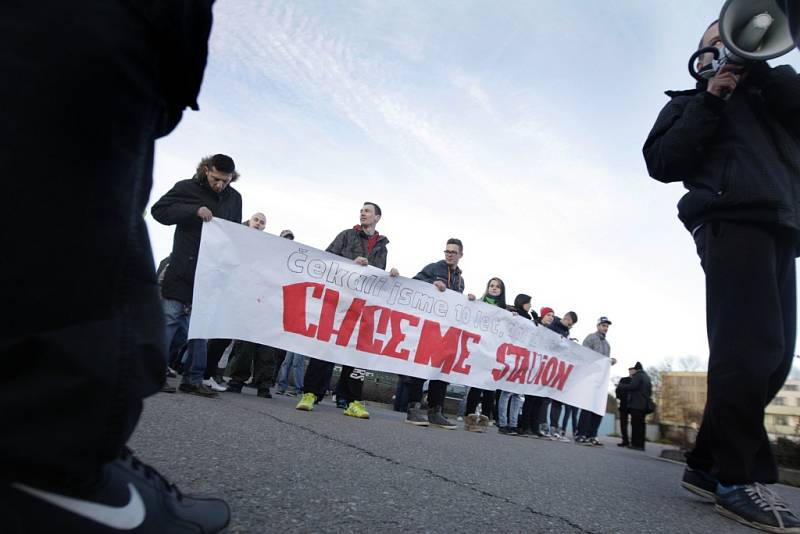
(734, 141)
(365, 246)
(639, 391)
(561, 327)
(444, 274)
(623, 408)
(87, 89)
(188, 205)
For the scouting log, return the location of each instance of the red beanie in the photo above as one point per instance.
(544, 311)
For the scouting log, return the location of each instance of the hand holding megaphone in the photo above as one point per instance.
(751, 30)
(725, 80)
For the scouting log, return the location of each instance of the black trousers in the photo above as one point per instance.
(351, 381)
(216, 348)
(637, 428)
(84, 341)
(747, 267)
(256, 359)
(436, 391)
(530, 413)
(623, 426)
(485, 397)
(588, 424)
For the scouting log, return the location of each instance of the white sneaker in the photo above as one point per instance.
(459, 418)
(211, 383)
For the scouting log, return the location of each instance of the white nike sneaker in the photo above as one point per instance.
(128, 497)
(211, 383)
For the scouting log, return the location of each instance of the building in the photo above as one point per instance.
(782, 417)
(683, 396)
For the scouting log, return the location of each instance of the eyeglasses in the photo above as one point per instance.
(452, 252)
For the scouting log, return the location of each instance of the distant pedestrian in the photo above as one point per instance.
(639, 391)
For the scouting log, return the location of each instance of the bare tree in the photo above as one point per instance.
(690, 363)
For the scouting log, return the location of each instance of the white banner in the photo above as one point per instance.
(254, 286)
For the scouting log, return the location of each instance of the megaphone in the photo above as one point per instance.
(751, 30)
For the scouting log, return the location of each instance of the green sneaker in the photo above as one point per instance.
(306, 403)
(356, 409)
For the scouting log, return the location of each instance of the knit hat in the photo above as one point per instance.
(287, 234)
(544, 311)
(637, 367)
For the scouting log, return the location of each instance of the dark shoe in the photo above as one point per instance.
(595, 442)
(502, 430)
(166, 388)
(264, 393)
(436, 418)
(700, 483)
(623, 444)
(757, 506)
(129, 495)
(198, 389)
(636, 448)
(341, 403)
(512, 431)
(415, 416)
(233, 387)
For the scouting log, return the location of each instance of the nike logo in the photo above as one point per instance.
(127, 517)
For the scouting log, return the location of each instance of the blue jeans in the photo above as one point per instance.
(570, 412)
(508, 414)
(297, 363)
(176, 315)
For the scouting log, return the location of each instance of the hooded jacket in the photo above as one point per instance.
(179, 207)
(354, 242)
(519, 302)
(739, 159)
(441, 271)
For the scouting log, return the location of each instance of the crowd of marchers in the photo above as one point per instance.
(202, 363)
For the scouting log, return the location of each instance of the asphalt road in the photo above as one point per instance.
(285, 470)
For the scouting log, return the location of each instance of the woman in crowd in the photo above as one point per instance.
(495, 295)
(508, 405)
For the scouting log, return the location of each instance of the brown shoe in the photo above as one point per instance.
(471, 423)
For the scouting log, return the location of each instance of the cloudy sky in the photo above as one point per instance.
(515, 126)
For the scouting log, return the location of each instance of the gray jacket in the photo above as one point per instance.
(598, 343)
(353, 242)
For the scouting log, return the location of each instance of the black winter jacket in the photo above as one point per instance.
(621, 394)
(179, 206)
(557, 327)
(441, 271)
(740, 159)
(639, 391)
(352, 243)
